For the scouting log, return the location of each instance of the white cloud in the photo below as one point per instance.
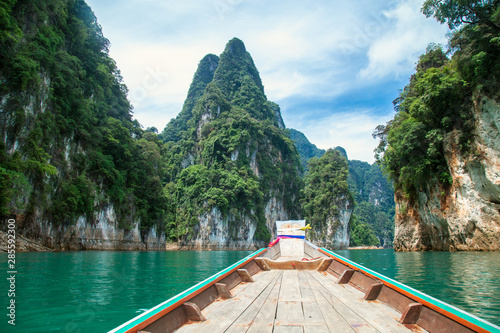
(162, 77)
(304, 50)
(157, 114)
(399, 47)
(164, 71)
(351, 130)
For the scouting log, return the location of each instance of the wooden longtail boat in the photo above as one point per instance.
(295, 286)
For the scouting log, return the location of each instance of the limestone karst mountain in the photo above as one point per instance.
(235, 169)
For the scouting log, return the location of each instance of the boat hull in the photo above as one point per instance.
(415, 310)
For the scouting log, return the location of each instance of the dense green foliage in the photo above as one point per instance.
(69, 145)
(306, 149)
(231, 155)
(459, 12)
(361, 233)
(342, 151)
(439, 98)
(372, 222)
(435, 103)
(477, 49)
(326, 188)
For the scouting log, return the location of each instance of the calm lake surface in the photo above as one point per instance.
(97, 291)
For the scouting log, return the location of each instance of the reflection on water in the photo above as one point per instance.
(97, 291)
(467, 280)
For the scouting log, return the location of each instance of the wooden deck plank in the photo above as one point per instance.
(391, 312)
(354, 300)
(299, 309)
(289, 312)
(288, 329)
(264, 321)
(296, 301)
(334, 322)
(314, 320)
(347, 311)
(222, 314)
(236, 290)
(290, 290)
(240, 288)
(316, 329)
(247, 318)
(305, 287)
(338, 317)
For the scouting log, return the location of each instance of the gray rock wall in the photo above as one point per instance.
(336, 234)
(218, 232)
(103, 234)
(467, 215)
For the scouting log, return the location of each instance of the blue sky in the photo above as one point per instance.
(334, 67)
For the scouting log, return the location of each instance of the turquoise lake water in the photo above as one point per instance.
(97, 291)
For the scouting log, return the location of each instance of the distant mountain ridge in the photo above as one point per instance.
(306, 149)
(372, 222)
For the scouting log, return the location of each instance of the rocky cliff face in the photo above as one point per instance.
(276, 211)
(215, 231)
(103, 233)
(335, 235)
(465, 216)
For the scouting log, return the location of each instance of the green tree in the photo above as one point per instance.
(361, 234)
(459, 12)
(325, 188)
(476, 38)
(363, 225)
(435, 102)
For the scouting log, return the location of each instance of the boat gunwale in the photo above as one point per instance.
(146, 318)
(470, 321)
